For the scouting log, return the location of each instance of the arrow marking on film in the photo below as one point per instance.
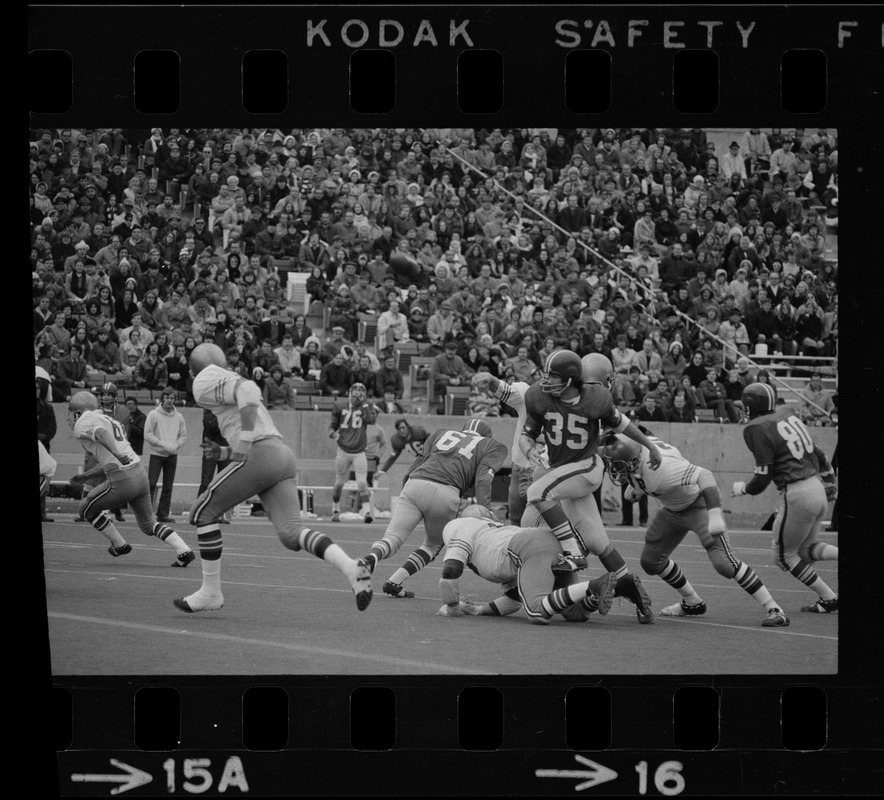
(595, 775)
(134, 777)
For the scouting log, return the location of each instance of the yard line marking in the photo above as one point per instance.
(759, 629)
(298, 648)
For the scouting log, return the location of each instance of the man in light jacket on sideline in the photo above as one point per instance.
(165, 432)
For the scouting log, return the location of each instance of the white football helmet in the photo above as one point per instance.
(80, 403)
(597, 369)
(204, 355)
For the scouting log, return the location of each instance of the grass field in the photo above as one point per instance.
(291, 613)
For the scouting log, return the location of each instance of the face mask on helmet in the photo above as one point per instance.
(358, 393)
(553, 383)
(621, 459)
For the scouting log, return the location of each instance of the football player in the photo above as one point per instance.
(691, 502)
(407, 437)
(125, 479)
(785, 454)
(513, 394)
(452, 463)
(349, 421)
(262, 464)
(568, 406)
(48, 466)
(107, 397)
(521, 560)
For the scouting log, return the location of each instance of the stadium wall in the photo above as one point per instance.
(719, 448)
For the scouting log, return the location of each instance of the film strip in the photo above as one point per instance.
(282, 699)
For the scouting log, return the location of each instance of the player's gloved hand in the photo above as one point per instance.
(77, 479)
(831, 492)
(654, 458)
(469, 609)
(717, 525)
(332, 434)
(211, 451)
(240, 451)
(631, 495)
(739, 488)
(379, 474)
(535, 456)
(449, 611)
(125, 460)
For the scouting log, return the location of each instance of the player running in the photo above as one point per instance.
(785, 453)
(350, 418)
(521, 560)
(568, 406)
(453, 462)
(262, 464)
(691, 502)
(125, 480)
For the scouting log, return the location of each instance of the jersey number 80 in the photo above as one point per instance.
(796, 436)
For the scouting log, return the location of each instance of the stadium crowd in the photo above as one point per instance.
(673, 259)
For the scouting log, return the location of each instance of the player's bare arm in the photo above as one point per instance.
(449, 588)
(248, 398)
(712, 496)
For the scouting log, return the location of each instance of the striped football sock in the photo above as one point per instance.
(102, 523)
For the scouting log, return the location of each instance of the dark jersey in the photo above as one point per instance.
(413, 442)
(571, 430)
(455, 458)
(782, 446)
(350, 423)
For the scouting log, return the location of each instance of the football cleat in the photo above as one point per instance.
(122, 550)
(336, 516)
(368, 518)
(396, 590)
(682, 609)
(630, 587)
(601, 590)
(118, 515)
(199, 602)
(360, 581)
(569, 562)
(775, 619)
(185, 558)
(370, 561)
(822, 606)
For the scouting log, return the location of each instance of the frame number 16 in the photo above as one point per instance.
(668, 778)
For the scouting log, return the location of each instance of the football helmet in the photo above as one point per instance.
(562, 369)
(358, 393)
(105, 391)
(79, 404)
(597, 368)
(621, 457)
(204, 355)
(477, 426)
(759, 398)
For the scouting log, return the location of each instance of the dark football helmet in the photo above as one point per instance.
(562, 369)
(759, 398)
(358, 393)
(107, 393)
(621, 457)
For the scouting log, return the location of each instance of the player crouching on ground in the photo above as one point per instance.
(521, 560)
(785, 454)
(691, 502)
(125, 481)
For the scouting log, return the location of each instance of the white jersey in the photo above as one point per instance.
(85, 429)
(673, 483)
(215, 389)
(484, 545)
(47, 463)
(514, 396)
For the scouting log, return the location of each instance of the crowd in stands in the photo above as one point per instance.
(146, 243)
